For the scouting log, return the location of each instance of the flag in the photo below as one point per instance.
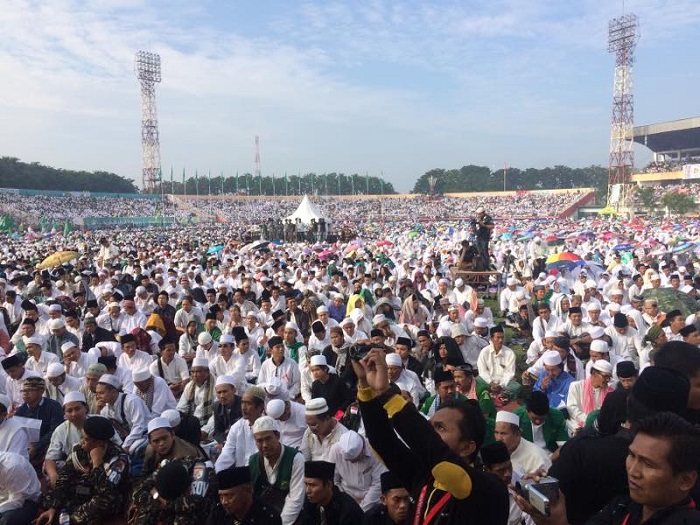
(172, 183)
(222, 182)
(196, 180)
(237, 188)
(67, 227)
(274, 189)
(183, 181)
(209, 181)
(286, 184)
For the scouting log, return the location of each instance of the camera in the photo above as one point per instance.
(540, 494)
(358, 352)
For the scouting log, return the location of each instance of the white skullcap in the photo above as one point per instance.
(599, 346)
(596, 332)
(511, 281)
(393, 359)
(227, 339)
(67, 346)
(173, 417)
(654, 277)
(551, 333)
(542, 276)
(590, 284)
(616, 291)
(316, 406)
(346, 322)
(140, 289)
(204, 338)
(626, 309)
(35, 339)
(276, 389)
(318, 360)
(200, 362)
(265, 424)
(225, 380)
(140, 375)
(520, 295)
(72, 397)
(443, 281)
(603, 366)
(113, 304)
(452, 308)
(457, 330)
(109, 379)
(550, 279)
(613, 307)
(593, 306)
(551, 358)
(55, 307)
(158, 422)
(378, 319)
(459, 282)
(351, 445)
(481, 322)
(322, 309)
(275, 408)
(55, 324)
(503, 416)
(55, 370)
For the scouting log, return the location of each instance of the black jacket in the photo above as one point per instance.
(591, 461)
(100, 336)
(224, 417)
(378, 515)
(623, 510)
(334, 391)
(422, 452)
(259, 514)
(342, 510)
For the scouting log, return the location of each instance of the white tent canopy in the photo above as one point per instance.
(306, 211)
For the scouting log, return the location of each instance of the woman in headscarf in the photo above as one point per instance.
(414, 312)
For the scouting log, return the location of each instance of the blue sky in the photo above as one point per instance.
(362, 86)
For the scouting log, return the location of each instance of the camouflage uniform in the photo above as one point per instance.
(92, 495)
(189, 509)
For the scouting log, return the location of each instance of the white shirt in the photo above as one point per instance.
(359, 479)
(200, 397)
(64, 438)
(42, 364)
(574, 403)
(57, 393)
(163, 398)
(136, 417)
(80, 367)
(139, 360)
(18, 482)
(287, 371)
(129, 322)
(239, 446)
(315, 450)
(235, 366)
(498, 367)
(174, 372)
(13, 437)
(292, 430)
(13, 387)
(528, 457)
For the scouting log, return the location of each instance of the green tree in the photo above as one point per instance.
(647, 198)
(679, 203)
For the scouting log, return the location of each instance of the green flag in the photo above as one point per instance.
(67, 227)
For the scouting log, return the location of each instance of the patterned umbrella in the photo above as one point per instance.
(563, 261)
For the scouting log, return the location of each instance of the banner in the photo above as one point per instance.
(691, 171)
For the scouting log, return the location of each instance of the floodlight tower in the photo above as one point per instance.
(256, 168)
(147, 69)
(623, 35)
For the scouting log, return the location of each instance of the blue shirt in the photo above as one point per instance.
(558, 388)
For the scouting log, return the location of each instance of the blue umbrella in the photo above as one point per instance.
(215, 249)
(623, 247)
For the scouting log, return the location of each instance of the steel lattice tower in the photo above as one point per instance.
(622, 39)
(147, 69)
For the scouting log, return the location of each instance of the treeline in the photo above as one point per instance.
(34, 176)
(480, 179)
(247, 184)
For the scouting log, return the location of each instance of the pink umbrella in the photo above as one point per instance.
(385, 242)
(325, 254)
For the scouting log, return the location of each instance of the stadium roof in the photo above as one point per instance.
(674, 135)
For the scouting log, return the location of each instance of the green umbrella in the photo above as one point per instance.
(672, 299)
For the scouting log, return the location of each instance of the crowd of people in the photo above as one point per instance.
(177, 376)
(665, 166)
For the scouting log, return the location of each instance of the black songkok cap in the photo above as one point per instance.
(390, 481)
(232, 477)
(662, 389)
(98, 427)
(405, 341)
(172, 480)
(319, 470)
(625, 369)
(538, 403)
(494, 453)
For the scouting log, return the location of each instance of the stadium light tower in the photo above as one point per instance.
(147, 69)
(623, 36)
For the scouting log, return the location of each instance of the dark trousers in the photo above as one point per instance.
(482, 246)
(22, 516)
